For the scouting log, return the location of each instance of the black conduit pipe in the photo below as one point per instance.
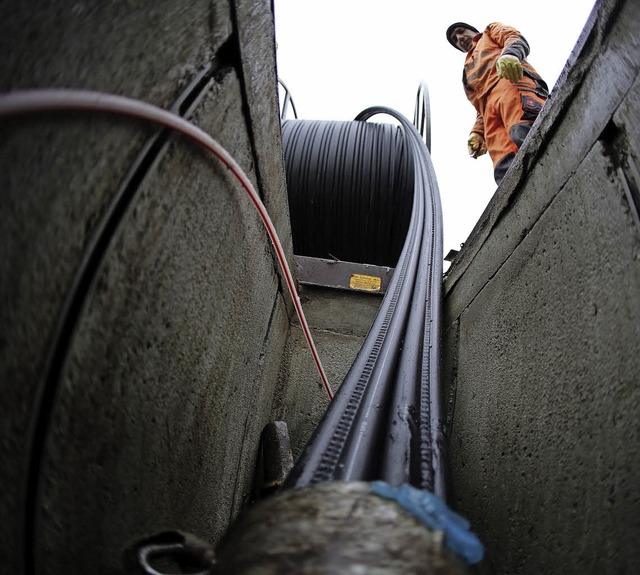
(287, 100)
(421, 115)
(385, 421)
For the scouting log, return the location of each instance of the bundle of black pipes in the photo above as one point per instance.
(385, 421)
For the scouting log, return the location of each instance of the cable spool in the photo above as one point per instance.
(350, 187)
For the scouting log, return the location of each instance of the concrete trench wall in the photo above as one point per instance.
(339, 321)
(542, 329)
(134, 402)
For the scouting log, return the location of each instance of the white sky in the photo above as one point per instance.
(338, 57)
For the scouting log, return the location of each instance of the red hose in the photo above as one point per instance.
(52, 100)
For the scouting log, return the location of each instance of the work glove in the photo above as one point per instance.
(476, 145)
(509, 67)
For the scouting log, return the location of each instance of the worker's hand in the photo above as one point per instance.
(509, 67)
(476, 145)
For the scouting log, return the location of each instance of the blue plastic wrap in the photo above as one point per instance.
(434, 513)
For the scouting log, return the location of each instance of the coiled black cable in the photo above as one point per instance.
(350, 187)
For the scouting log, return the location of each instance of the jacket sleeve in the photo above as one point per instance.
(478, 127)
(512, 42)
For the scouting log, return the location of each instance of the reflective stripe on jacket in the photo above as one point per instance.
(480, 74)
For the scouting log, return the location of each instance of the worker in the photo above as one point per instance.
(506, 91)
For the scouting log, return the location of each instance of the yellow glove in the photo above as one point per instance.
(509, 67)
(476, 145)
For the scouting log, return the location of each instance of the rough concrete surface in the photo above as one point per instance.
(150, 414)
(302, 400)
(141, 50)
(543, 329)
(342, 311)
(159, 375)
(339, 321)
(257, 54)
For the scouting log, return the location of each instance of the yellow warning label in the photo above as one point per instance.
(368, 283)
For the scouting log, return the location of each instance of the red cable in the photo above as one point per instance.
(51, 100)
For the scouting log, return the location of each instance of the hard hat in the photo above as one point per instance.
(455, 25)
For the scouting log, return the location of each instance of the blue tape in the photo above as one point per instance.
(430, 510)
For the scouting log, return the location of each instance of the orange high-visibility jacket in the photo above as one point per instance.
(480, 74)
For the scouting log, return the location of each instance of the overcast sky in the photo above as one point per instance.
(338, 57)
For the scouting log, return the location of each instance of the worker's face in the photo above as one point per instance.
(463, 38)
